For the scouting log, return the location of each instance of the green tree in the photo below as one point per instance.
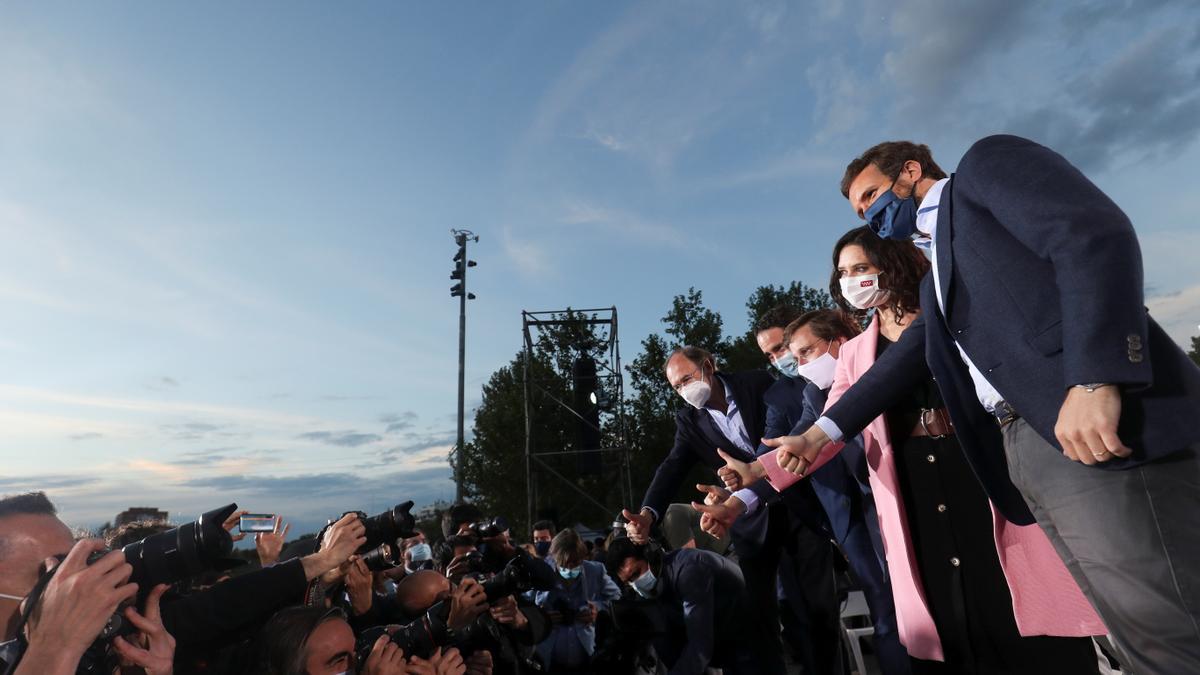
(744, 353)
(493, 462)
(1195, 353)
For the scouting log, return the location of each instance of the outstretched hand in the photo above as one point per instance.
(717, 518)
(737, 474)
(638, 527)
(795, 454)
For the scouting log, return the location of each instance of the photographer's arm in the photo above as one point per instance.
(252, 598)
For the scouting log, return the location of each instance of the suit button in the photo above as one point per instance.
(1135, 357)
(955, 562)
(930, 458)
(1134, 340)
(941, 508)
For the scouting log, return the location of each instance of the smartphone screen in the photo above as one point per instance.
(257, 522)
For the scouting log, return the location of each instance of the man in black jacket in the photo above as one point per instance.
(725, 413)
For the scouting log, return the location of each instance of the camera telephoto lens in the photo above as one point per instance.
(387, 527)
(182, 552)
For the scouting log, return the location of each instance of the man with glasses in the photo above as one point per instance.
(725, 416)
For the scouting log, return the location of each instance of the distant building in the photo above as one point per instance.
(136, 513)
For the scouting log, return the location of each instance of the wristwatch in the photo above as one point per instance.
(1092, 386)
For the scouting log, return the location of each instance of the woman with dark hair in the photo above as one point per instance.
(971, 589)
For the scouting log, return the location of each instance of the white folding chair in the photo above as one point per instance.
(856, 606)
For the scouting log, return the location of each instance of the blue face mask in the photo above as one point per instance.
(542, 548)
(645, 585)
(786, 364)
(891, 217)
(571, 573)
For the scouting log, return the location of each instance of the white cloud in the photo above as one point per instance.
(1179, 313)
(530, 258)
(629, 225)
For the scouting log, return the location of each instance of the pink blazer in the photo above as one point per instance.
(1046, 599)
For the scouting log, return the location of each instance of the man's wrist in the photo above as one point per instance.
(1091, 387)
(316, 564)
(41, 659)
(649, 513)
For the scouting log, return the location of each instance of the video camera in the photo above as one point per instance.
(423, 636)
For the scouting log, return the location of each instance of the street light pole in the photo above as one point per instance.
(459, 290)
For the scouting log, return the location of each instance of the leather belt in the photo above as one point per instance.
(1005, 414)
(934, 423)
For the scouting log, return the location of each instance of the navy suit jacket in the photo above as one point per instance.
(1041, 275)
(785, 410)
(697, 438)
(712, 592)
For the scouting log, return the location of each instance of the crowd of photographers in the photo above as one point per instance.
(368, 594)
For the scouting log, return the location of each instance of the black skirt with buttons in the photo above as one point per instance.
(950, 522)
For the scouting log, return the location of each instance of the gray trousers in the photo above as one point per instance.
(1130, 538)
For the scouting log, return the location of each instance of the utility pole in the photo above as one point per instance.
(459, 290)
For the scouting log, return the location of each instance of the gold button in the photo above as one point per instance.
(941, 508)
(930, 458)
(955, 561)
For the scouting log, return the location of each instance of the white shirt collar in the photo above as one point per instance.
(927, 211)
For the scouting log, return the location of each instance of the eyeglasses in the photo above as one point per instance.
(687, 379)
(806, 353)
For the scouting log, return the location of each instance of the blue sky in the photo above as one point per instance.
(226, 226)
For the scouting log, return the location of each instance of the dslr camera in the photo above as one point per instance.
(423, 636)
(380, 551)
(168, 557)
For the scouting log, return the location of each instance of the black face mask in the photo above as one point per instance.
(542, 548)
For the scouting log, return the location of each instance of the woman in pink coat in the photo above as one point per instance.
(974, 593)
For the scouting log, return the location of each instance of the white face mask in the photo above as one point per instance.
(863, 291)
(697, 392)
(820, 370)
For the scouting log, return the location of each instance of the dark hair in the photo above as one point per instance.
(567, 544)
(890, 157)
(697, 355)
(826, 324)
(28, 503)
(135, 531)
(776, 317)
(543, 525)
(459, 513)
(619, 550)
(900, 265)
(282, 643)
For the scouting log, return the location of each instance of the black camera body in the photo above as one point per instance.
(423, 636)
(380, 551)
(489, 528)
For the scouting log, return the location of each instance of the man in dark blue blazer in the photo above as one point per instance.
(726, 413)
(1073, 406)
(705, 602)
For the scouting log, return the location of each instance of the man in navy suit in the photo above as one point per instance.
(1072, 405)
(726, 413)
